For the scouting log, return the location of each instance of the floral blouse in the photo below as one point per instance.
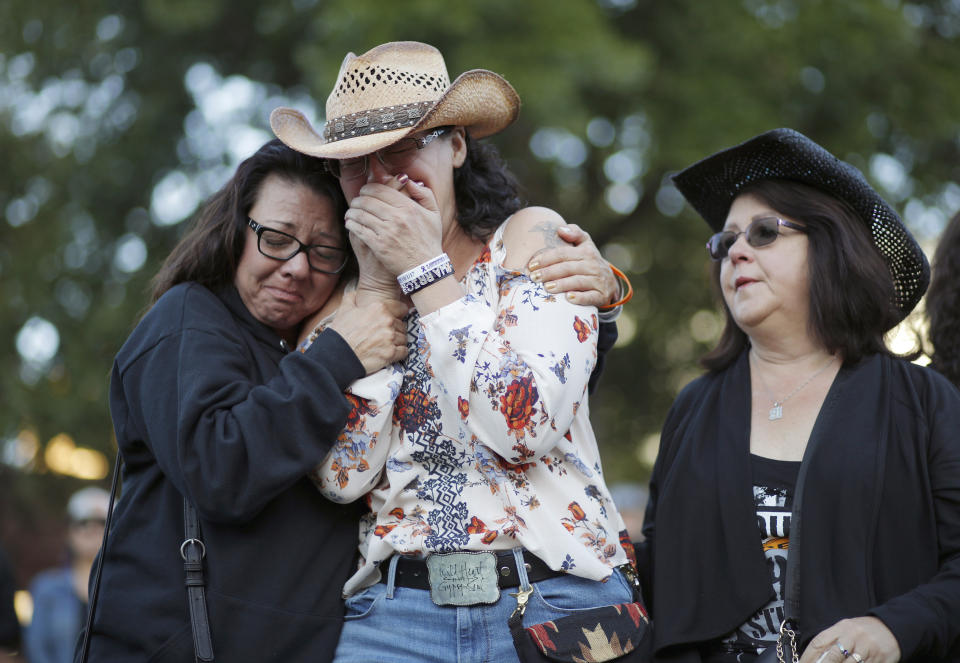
(480, 439)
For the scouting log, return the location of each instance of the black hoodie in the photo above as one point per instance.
(207, 403)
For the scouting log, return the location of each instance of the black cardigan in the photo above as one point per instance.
(880, 512)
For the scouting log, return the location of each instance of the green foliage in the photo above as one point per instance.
(97, 113)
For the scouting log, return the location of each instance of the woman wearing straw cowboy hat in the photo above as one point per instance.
(807, 489)
(475, 453)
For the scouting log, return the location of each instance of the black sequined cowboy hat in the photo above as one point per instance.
(392, 91)
(710, 185)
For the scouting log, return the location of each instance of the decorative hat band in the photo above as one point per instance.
(375, 120)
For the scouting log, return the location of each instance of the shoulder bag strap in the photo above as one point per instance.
(95, 585)
(193, 551)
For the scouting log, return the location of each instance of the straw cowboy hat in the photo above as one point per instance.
(395, 90)
(710, 185)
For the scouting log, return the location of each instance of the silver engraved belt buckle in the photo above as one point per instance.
(463, 578)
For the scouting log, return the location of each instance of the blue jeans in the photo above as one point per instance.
(388, 624)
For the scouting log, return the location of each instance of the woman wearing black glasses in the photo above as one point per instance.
(807, 489)
(212, 409)
(219, 422)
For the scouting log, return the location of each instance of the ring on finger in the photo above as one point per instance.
(843, 650)
(856, 657)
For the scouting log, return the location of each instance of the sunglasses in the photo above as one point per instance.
(760, 232)
(394, 157)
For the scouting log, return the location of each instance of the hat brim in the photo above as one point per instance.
(480, 100)
(710, 186)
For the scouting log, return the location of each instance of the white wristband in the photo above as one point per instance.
(423, 275)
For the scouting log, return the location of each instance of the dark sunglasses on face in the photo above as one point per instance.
(281, 246)
(394, 157)
(760, 232)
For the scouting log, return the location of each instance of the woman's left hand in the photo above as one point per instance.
(399, 221)
(864, 638)
(576, 268)
(374, 279)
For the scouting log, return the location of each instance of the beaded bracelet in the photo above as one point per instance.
(626, 298)
(426, 274)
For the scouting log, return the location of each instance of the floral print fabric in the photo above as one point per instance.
(480, 439)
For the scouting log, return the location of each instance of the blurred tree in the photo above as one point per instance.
(117, 118)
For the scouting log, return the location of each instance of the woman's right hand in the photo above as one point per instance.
(374, 330)
(399, 220)
(867, 637)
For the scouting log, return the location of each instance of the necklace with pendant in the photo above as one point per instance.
(776, 412)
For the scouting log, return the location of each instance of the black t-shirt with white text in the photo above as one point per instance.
(773, 487)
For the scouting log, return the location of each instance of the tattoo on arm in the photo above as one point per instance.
(548, 231)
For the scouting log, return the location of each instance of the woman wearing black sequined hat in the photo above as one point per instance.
(807, 489)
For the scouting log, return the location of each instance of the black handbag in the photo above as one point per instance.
(619, 633)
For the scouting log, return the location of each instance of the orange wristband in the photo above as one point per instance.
(626, 298)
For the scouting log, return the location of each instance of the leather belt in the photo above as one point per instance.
(412, 572)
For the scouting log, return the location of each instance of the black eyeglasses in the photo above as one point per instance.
(760, 232)
(393, 157)
(281, 246)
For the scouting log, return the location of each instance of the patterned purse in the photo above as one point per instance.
(609, 633)
(619, 633)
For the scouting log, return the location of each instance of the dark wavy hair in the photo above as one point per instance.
(851, 288)
(208, 254)
(943, 303)
(486, 191)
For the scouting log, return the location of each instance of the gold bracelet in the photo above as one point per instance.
(626, 298)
